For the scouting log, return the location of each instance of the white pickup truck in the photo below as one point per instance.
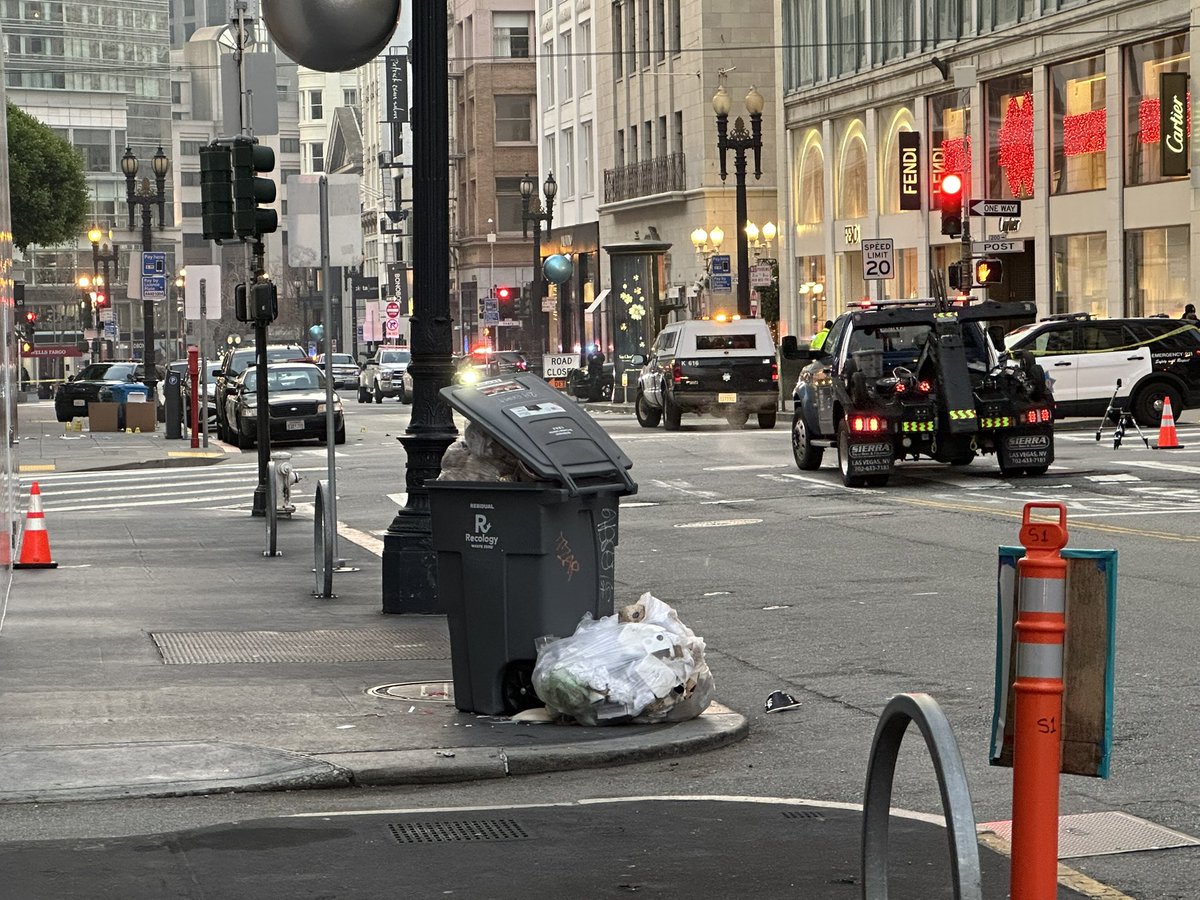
(385, 374)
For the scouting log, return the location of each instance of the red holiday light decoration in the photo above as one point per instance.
(1148, 119)
(1085, 133)
(956, 155)
(1016, 144)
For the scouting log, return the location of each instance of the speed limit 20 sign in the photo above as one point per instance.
(879, 258)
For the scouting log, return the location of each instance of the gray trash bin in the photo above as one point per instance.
(519, 561)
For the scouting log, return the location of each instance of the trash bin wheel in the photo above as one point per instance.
(517, 686)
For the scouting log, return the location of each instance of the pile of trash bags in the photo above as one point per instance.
(642, 665)
(479, 458)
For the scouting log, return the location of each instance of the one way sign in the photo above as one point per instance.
(1009, 208)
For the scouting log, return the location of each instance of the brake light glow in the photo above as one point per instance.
(676, 373)
(774, 372)
(1037, 416)
(924, 386)
(868, 424)
(900, 388)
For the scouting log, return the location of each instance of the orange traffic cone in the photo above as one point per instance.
(35, 545)
(1166, 429)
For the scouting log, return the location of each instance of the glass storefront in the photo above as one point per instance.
(850, 287)
(1080, 274)
(1144, 63)
(949, 140)
(811, 310)
(1078, 127)
(808, 180)
(904, 285)
(892, 122)
(1156, 271)
(1010, 136)
(850, 176)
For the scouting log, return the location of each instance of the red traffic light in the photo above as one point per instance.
(101, 301)
(504, 293)
(951, 185)
(31, 316)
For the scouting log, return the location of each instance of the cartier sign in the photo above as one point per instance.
(1173, 122)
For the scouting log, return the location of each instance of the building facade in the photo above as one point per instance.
(1056, 103)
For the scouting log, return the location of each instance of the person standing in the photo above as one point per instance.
(1189, 312)
(818, 340)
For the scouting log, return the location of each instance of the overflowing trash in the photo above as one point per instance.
(641, 665)
(479, 458)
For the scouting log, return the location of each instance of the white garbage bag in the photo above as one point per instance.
(641, 665)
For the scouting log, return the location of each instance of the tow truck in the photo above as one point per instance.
(920, 378)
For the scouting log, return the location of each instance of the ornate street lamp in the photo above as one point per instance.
(740, 140)
(533, 214)
(145, 198)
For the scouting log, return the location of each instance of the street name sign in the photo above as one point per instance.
(878, 258)
(1011, 208)
(992, 247)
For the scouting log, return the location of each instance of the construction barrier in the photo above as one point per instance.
(35, 543)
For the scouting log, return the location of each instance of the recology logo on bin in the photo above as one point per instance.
(481, 538)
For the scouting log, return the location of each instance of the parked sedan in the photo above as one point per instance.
(296, 395)
(93, 384)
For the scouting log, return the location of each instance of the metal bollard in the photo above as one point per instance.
(1037, 750)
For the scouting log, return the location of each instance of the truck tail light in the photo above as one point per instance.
(677, 373)
(774, 372)
(866, 424)
(924, 387)
(1038, 415)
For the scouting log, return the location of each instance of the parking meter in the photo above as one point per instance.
(173, 405)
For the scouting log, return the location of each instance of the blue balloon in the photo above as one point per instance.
(317, 332)
(557, 268)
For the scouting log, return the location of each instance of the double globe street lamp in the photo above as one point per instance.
(740, 140)
(142, 196)
(533, 214)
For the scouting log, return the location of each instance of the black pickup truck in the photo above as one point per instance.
(920, 378)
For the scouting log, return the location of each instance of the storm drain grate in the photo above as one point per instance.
(1104, 833)
(471, 830)
(803, 814)
(332, 645)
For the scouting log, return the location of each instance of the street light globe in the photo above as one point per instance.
(699, 236)
(721, 101)
(160, 164)
(129, 163)
(754, 101)
(717, 236)
(818, 287)
(526, 187)
(751, 231)
(769, 232)
(94, 234)
(84, 281)
(550, 188)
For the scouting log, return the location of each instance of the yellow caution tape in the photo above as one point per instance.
(917, 426)
(962, 414)
(1162, 337)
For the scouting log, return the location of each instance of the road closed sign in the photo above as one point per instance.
(557, 365)
(878, 258)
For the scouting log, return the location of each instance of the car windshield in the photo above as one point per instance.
(342, 359)
(289, 378)
(107, 372)
(902, 344)
(246, 357)
(395, 356)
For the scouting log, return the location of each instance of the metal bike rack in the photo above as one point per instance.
(324, 531)
(952, 782)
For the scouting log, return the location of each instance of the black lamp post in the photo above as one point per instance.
(740, 140)
(102, 256)
(144, 198)
(532, 213)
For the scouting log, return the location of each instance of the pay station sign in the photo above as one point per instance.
(878, 258)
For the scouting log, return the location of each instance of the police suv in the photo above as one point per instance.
(919, 378)
(1136, 363)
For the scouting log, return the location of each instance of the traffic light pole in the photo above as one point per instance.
(262, 401)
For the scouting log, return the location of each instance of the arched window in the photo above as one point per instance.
(850, 188)
(895, 122)
(808, 180)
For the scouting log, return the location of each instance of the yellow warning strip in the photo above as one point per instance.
(1067, 877)
(1075, 524)
(201, 454)
(36, 467)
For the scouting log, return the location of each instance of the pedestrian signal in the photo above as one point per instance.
(988, 271)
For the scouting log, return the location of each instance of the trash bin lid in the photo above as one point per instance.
(549, 432)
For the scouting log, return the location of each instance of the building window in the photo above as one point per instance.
(1156, 271)
(808, 181)
(644, 33)
(892, 123)
(800, 50)
(949, 141)
(583, 62)
(946, 20)
(678, 119)
(1080, 271)
(193, 210)
(1144, 63)
(549, 159)
(316, 157)
(660, 30)
(850, 176)
(289, 145)
(510, 35)
(630, 37)
(847, 42)
(95, 146)
(619, 147)
(618, 29)
(566, 174)
(547, 67)
(676, 29)
(189, 179)
(514, 119)
(1079, 126)
(1010, 136)
(810, 272)
(586, 171)
(508, 204)
(350, 97)
(316, 109)
(662, 137)
(896, 18)
(186, 148)
(566, 63)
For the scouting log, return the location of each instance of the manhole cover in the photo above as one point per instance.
(416, 691)
(1103, 833)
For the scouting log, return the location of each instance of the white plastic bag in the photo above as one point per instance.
(642, 665)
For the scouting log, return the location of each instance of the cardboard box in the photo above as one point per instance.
(102, 416)
(140, 415)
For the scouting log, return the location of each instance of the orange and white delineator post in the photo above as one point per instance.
(35, 543)
(1037, 750)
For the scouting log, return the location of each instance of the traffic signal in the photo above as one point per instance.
(241, 305)
(264, 300)
(951, 204)
(249, 158)
(506, 298)
(959, 276)
(482, 308)
(216, 193)
(30, 324)
(988, 270)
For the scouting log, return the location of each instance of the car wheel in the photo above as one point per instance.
(1147, 405)
(244, 441)
(962, 459)
(737, 418)
(843, 447)
(807, 456)
(363, 394)
(1035, 471)
(767, 419)
(402, 397)
(378, 394)
(647, 416)
(339, 436)
(63, 415)
(672, 414)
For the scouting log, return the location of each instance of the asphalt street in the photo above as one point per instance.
(840, 596)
